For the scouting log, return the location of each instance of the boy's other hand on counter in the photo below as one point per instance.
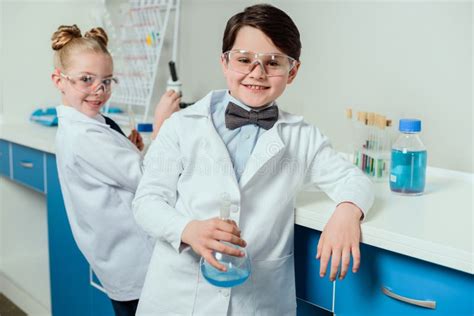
(204, 237)
(340, 239)
(136, 139)
(169, 103)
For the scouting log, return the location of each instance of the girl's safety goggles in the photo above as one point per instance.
(88, 83)
(273, 64)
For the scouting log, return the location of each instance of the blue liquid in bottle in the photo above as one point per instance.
(408, 171)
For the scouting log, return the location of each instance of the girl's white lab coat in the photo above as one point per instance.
(99, 171)
(186, 170)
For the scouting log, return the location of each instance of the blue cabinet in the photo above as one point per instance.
(444, 291)
(72, 292)
(387, 284)
(310, 287)
(70, 288)
(28, 167)
(4, 158)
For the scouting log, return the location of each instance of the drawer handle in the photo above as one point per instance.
(425, 304)
(27, 165)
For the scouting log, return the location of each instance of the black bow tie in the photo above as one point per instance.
(235, 117)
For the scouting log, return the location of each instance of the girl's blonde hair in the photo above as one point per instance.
(67, 40)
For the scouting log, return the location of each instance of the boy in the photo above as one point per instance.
(242, 144)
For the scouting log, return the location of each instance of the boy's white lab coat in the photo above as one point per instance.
(99, 171)
(186, 170)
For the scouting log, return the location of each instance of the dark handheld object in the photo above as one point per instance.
(183, 105)
(174, 75)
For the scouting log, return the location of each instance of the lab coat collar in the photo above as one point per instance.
(203, 108)
(74, 115)
(269, 145)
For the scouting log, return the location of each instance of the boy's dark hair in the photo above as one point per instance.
(273, 22)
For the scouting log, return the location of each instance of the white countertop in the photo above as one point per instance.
(29, 134)
(436, 227)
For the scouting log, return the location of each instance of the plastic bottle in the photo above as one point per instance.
(408, 168)
(238, 268)
(145, 129)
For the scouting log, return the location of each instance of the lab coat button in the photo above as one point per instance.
(226, 293)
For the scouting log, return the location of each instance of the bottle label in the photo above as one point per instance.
(393, 178)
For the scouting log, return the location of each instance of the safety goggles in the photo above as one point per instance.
(273, 64)
(88, 83)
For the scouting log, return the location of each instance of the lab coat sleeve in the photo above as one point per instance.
(337, 177)
(108, 161)
(155, 199)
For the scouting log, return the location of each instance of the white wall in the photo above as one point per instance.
(27, 54)
(400, 58)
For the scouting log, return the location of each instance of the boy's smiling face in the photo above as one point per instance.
(255, 89)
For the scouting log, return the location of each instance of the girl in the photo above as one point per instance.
(99, 168)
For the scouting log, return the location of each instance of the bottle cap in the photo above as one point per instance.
(409, 125)
(145, 127)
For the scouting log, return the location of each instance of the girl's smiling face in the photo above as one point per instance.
(255, 89)
(82, 65)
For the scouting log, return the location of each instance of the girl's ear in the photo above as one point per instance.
(57, 79)
(293, 73)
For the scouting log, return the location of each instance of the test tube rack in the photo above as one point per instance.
(137, 37)
(372, 143)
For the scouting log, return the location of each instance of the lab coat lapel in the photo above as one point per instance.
(268, 146)
(212, 144)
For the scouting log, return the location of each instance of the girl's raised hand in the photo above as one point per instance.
(169, 103)
(204, 237)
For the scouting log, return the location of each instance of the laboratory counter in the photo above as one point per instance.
(416, 235)
(436, 226)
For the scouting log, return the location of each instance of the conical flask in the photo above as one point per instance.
(238, 268)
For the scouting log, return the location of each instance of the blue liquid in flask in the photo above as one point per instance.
(238, 268)
(407, 175)
(232, 277)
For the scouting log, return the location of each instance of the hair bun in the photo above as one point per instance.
(64, 35)
(99, 35)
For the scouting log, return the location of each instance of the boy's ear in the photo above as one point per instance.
(223, 64)
(293, 73)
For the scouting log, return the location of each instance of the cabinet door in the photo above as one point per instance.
(447, 290)
(310, 287)
(4, 158)
(70, 288)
